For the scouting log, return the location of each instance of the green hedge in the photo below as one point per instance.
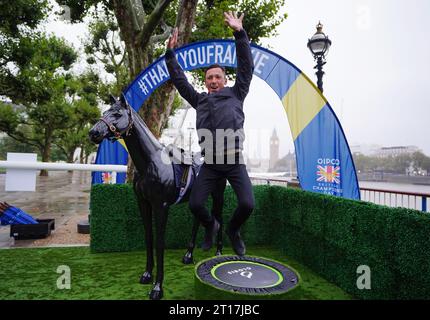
(116, 224)
(330, 235)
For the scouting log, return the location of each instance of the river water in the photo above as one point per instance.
(406, 187)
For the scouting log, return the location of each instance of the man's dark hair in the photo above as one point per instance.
(213, 66)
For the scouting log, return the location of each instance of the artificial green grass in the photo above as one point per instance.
(31, 273)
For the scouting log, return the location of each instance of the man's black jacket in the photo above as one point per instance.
(223, 109)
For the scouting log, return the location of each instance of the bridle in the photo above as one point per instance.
(114, 130)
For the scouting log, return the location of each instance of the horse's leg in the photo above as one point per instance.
(217, 205)
(146, 213)
(188, 256)
(160, 214)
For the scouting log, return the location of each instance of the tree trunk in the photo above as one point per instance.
(164, 100)
(184, 23)
(46, 156)
(70, 157)
(158, 107)
(130, 171)
(128, 31)
(185, 20)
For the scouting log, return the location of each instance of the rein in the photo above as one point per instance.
(114, 130)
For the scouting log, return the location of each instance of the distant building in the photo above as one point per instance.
(286, 164)
(386, 152)
(274, 163)
(257, 165)
(274, 150)
(365, 149)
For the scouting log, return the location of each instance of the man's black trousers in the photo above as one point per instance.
(206, 182)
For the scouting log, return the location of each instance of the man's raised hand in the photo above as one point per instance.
(233, 21)
(173, 40)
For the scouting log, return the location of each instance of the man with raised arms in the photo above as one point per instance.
(220, 110)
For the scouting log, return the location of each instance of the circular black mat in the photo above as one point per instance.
(247, 275)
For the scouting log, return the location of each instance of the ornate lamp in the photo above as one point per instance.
(319, 45)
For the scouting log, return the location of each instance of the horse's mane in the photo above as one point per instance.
(137, 119)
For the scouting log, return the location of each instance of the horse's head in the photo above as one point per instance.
(115, 123)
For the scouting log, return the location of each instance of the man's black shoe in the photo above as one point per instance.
(210, 233)
(236, 242)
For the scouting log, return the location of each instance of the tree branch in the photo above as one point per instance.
(98, 58)
(23, 139)
(164, 25)
(160, 37)
(61, 148)
(144, 36)
(110, 53)
(112, 39)
(185, 20)
(28, 123)
(137, 13)
(122, 58)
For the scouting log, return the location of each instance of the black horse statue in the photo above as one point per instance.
(154, 184)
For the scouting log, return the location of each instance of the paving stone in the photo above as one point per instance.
(63, 196)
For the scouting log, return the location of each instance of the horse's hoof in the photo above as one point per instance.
(188, 258)
(156, 294)
(146, 278)
(218, 253)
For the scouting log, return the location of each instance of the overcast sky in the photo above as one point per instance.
(377, 69)
(376, 73)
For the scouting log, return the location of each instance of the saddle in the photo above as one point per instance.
(186, 167)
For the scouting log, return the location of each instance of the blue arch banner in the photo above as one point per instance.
(324, 161)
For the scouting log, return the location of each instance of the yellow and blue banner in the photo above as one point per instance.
(324, 161)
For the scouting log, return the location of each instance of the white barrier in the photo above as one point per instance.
(21, 173)
(52, 166)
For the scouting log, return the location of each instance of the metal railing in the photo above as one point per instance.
(258, 180)
(393, 198)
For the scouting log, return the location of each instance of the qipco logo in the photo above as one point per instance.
(328, 161)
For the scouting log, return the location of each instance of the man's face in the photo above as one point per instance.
(215, 80)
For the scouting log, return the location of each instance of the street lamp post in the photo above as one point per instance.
(319, 45)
